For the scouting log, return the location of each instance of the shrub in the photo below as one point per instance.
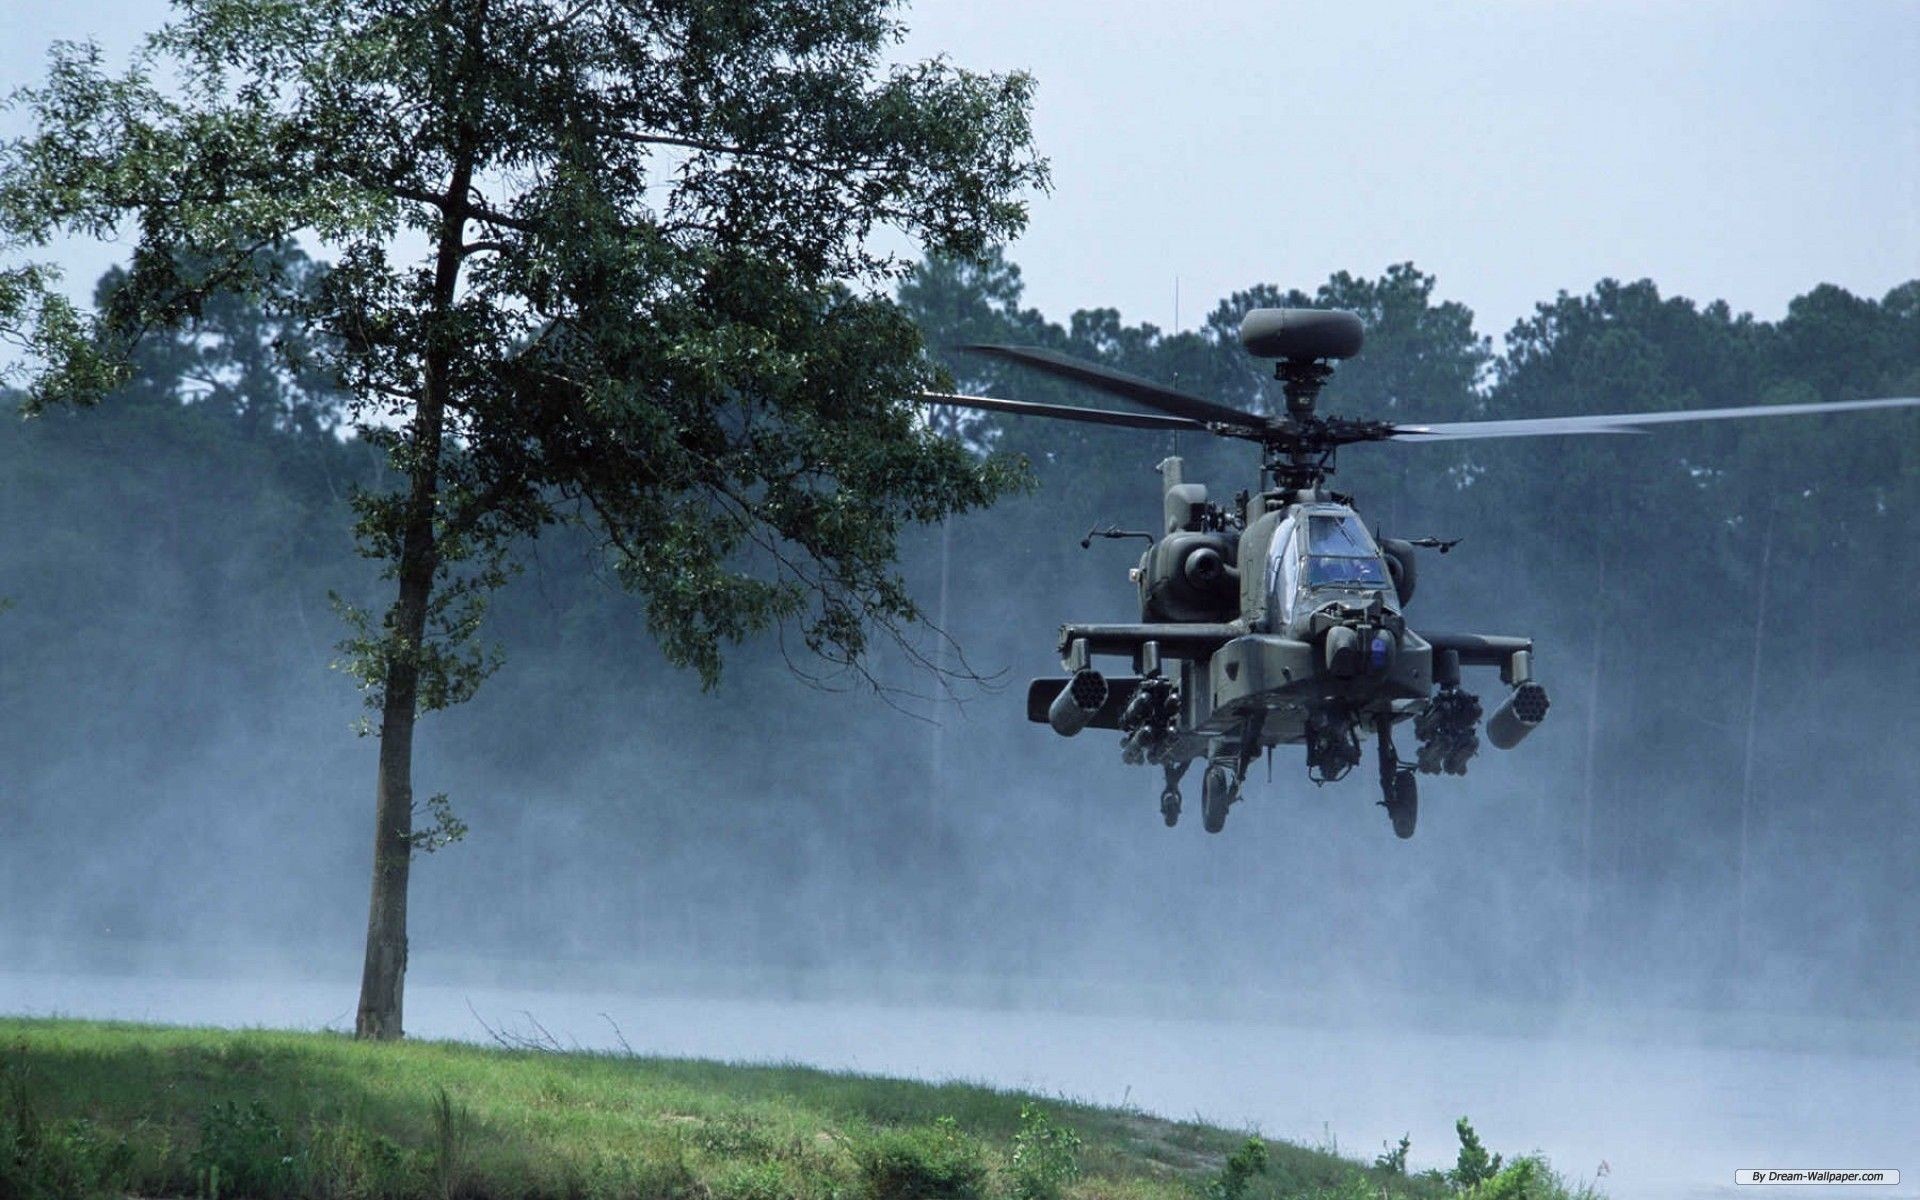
(60, 1160)
(924, 1163)
(244, 1151)
(1238, 1174)
(1531, 1178)
(1474, 1166)
(1521, 1181)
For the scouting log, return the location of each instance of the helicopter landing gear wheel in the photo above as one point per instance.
(1399, 789)
(1219, 789)
(1403, 803)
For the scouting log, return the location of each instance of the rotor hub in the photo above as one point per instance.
(1298, 450)
(1301, 379)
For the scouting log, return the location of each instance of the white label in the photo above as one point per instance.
(1817, 1177)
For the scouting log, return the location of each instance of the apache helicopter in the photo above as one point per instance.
(1280, 620)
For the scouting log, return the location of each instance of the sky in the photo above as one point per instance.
(1745, 151)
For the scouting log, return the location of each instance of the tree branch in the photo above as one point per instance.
(561, 22)
(463, 208)
(776, 153)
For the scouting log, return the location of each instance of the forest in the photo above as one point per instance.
(1725, 616)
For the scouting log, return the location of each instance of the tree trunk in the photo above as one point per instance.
(383, 977)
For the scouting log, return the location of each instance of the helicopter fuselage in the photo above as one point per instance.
(1279, 622)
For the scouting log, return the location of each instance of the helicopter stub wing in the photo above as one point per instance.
(1628, 422)
(1119, 383)
(1478, 649)
(1176, 639)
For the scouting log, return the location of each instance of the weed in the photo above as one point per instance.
(1045, 1156)
(735, 1136)
(752, 1181)
(1352, 1187)
(347, 1162)
(666, 1179)
(452, 1131)
(1329, 1142)
(1393, 1160)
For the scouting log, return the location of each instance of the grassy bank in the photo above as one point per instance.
(93, 1109)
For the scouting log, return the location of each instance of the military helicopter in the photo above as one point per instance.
(1279, 619)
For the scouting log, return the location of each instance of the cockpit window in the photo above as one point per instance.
(1343, 536)
(1325, 569)
(1339, 551)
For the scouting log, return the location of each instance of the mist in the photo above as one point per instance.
(913, 881)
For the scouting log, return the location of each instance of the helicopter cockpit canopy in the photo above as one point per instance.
(1321, 550)
(1340, 551)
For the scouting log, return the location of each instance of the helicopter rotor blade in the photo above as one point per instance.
(1065, 412)
(1627, 422)
(1119, 383)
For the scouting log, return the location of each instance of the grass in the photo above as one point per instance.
(107, 1109)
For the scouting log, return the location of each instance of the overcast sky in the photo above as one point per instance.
(1741, 150)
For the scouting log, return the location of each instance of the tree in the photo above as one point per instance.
(604, 261)
(235, 359)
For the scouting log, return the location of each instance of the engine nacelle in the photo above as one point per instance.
(1401, 567)
(1521, 713)
(1078, 702)
(1191, 576)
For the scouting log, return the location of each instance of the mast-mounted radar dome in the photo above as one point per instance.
(1301, 333)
